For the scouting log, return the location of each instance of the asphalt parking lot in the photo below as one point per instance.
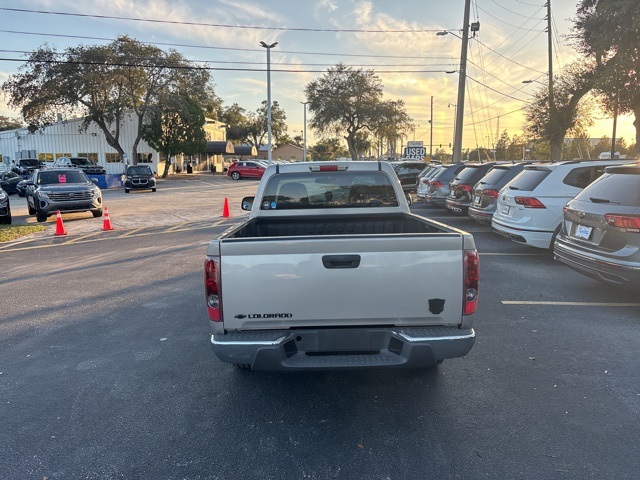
(106, 371)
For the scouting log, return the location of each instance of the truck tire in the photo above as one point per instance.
(153, 189)
(243, 366)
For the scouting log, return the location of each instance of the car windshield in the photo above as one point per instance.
(29, 162)
(139, 170)
(81, 161)
(62, 176)
(329, 190)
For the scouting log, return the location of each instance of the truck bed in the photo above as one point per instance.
(346, 225)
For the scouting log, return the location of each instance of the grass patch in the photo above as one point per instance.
(11, 232)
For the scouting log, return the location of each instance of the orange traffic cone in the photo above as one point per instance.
(60, 230)
(106, 225)
(225, 209)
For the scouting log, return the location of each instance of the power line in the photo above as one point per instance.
(185, 67)
(186, 45)
(219, 25)
(506, 23)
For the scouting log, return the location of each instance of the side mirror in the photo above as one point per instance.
(247, 203)
(94, 180)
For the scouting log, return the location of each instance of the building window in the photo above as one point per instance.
(91, 156)
(45, 157)
(113, 158)
(145, 157)
(59, 155)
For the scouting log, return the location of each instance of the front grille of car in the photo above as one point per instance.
(70, 196)
(140, 181)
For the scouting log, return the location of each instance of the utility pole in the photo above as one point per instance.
(552, 104)
(462, 77)
(431, 132)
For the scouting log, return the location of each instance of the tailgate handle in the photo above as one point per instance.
(341, 261)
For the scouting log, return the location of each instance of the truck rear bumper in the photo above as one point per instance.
(343, 348)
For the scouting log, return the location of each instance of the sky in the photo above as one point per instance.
(395, 38)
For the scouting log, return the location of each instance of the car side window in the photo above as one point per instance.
(578, 177)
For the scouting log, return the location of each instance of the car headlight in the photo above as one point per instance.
(129, 177)
(95, 191)
(43, 194)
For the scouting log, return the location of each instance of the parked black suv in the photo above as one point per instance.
(408, 172)
(64, 189)
(139, 176)
(83, 163)
(26, 166)
(461, 187)
(5, 208)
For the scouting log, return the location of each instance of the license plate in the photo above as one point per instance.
(505, 209)
(477, 200)
(583, 232)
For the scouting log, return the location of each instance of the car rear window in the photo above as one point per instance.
(329, 190)
(472, 174)
(446, 174)
(623, 189)
(529, 179)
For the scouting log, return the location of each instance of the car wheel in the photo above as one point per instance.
(41, 217)
(153, 189)
(235, 176)
(555, 235)
(97, 214)
(127, 190)
(6, 220)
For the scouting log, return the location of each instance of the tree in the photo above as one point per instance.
(567, 113)
(174, 126)
(392, 122)
(103, 83)
(328, 149)
(344, 101)
(7, 123)
(607, 31)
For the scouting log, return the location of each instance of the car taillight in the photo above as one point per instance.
(437, 184)
(471, 280)
(425, 181)
(529, 202)
(629, 223)
(490, 193)
(212, 288)
(466, 188)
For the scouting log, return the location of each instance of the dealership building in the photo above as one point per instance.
(66, 138)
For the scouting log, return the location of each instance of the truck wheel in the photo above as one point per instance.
(235, 176)
(243, 366)
(41, 217)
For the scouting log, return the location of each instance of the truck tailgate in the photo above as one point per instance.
(413, 279)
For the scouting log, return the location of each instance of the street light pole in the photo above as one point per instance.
(304, 137)
(268, 47)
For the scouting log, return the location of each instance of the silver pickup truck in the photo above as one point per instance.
(332, 271)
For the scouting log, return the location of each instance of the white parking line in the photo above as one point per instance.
(570, 304)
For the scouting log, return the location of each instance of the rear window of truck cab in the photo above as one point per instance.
(340, 189)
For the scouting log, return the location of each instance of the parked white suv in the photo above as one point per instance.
(529, 207)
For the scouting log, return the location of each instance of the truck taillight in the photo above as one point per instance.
(212, 288)
(471, 281)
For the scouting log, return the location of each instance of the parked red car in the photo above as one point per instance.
(246, 169)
